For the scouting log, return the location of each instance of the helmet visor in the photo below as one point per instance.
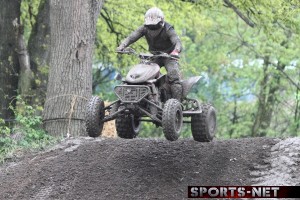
(156, 26)
(150, 20)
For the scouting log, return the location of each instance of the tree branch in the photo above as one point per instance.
(239, 13)
(289, 78)
(110, 24)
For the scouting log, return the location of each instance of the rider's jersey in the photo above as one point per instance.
(164, 39)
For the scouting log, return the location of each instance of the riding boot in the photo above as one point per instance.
(176, 89)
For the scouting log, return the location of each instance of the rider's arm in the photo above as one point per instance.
(175, 39)
(133, 37)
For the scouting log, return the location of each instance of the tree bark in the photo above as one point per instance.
(9, 65)
(73, 25)
(39, 51)
(25, 75)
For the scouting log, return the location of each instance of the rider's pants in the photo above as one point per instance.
(173, 75)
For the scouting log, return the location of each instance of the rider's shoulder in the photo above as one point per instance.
(168, 26)
(141, 28)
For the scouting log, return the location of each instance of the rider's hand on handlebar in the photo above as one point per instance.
(120, 48)
(175, 52)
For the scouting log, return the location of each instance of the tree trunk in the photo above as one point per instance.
(9, 65)
(39, 51)
(234, 118)
(73, 25)
(266, 100)
(297, 110)
(25, 75)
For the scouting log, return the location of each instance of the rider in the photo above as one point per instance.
(161, 37)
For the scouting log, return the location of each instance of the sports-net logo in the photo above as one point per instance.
(243, 191)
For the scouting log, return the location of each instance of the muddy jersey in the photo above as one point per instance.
(164, 39)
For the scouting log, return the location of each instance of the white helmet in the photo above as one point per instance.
(153, 16)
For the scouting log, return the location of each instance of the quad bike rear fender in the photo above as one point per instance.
(188, 84)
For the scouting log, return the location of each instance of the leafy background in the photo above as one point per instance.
(249, 67)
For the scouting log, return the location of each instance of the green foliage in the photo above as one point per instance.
(29, 124)
(4, 130)
(29, 11)
(27, 131)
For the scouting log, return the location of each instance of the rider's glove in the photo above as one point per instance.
(120, 48)
(175, 52)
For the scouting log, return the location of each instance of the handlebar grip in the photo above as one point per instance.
(175, 56)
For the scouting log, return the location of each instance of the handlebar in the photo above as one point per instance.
(130, 51)
(127, 50)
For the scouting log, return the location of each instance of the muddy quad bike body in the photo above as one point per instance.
(145, 96)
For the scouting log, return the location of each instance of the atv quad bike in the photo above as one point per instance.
(145, 96)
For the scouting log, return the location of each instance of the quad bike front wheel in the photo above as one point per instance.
(128, 126)
(94, 116)
(172, 119)
(204, 124)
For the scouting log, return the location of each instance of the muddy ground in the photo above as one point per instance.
(106, 168)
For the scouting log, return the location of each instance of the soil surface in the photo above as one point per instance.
(107, 168)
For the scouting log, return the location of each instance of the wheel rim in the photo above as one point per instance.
(178, 119)
(135, 123)
(212, 124)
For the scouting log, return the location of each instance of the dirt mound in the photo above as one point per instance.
(86, 168)
(282, 166)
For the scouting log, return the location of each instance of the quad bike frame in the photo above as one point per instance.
(150, 101)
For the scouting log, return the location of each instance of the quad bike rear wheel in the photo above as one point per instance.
(94, 116)
(172, 119)
(204, 124)
(128, 126)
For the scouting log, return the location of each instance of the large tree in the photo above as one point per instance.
(9, 66)
(73, 25)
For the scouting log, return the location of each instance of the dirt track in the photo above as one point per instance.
(86, 168)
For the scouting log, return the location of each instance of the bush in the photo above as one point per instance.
(6, 143)
(26, 132)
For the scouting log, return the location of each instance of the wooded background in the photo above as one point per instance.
(54, 54)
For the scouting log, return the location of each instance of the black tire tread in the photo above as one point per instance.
(124, 127)
(168, 119)
(199, 125)
(95, 107)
